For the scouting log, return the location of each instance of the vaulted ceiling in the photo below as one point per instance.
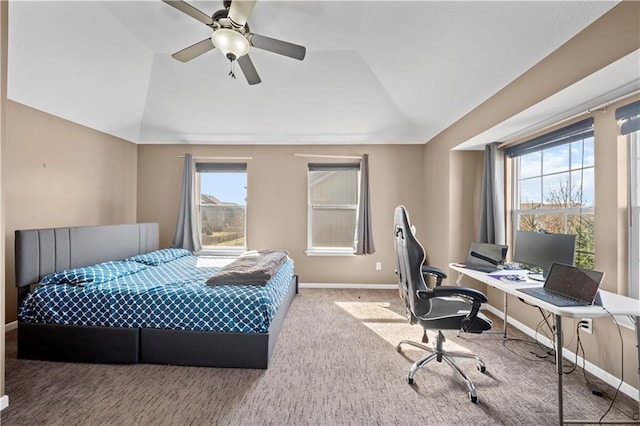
(375, 71)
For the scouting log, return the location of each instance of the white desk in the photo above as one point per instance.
(613, 303)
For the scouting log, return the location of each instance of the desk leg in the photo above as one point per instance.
(636, 321)
(558, 321)
(504, 325)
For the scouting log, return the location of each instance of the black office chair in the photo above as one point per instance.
(433, 306)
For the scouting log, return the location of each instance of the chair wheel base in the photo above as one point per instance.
(482, 368)
(410, 380)
(473, 398)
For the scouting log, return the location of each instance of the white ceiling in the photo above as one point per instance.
(375, 71)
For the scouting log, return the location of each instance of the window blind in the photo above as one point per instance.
(221, 167)
(630, 116)
(333, 167)
(573, 132)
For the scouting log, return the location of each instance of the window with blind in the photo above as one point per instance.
(221, 197)
(634, 216)
(628, 117)
(332, 207)
(553, 188)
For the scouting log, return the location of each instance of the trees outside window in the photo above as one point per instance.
(554, 192)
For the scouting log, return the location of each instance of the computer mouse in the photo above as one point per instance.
(513, 278)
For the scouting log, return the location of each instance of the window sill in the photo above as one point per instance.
(625, 322)
(330, 252)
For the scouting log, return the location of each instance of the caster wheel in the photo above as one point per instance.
(473, 398)
(410, 380)
(482, 368)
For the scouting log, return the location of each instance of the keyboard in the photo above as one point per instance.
(480, 268)
(550, 297)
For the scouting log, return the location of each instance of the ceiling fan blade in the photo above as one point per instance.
(278, 46)
(193, 51)
(240, 10)
(191, 11)
(249, 71)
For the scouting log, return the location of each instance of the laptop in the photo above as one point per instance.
(568, 285)
(485, 257)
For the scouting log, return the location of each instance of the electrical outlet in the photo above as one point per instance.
(378, 266)
(586, 324)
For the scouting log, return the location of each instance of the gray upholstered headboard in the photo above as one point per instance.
(42, 251)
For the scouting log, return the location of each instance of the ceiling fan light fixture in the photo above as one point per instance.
(231, 43)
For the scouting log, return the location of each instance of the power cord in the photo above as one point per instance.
(545, 353)
(595, 389)
(579, 347)
(545, 320)
(615, 395)
(527, 342)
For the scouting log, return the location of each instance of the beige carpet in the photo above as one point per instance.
(335, 363)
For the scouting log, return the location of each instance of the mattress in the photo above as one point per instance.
(172, 295)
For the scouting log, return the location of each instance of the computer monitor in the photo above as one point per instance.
(541, 250)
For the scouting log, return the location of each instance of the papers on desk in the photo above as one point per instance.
(509, 276)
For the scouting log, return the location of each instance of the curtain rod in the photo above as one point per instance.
(523, 134)
(604, 105)
(219, 158)
(343, 157)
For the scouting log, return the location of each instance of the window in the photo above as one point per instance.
(221, 190)
(628, 117)
(332, 208)
(634, 217)
(554, 186)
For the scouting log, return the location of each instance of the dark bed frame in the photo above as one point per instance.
(42, 251)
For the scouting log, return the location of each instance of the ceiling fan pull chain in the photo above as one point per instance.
(231, 73)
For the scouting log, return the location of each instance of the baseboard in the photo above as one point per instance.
(10, 326)
(350, 286)
(606, 377)
(4, 402)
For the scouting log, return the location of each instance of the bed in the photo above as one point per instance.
(147, 312)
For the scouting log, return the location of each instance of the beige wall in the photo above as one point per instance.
(464, 201)
(57, 173)
(277, 201)
(3, 114)
(610, 38)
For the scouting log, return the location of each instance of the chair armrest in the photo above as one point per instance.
(468, 293)
(437, 273)
(432, 270)
(475, 297)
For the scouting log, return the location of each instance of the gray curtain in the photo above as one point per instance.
(364, 232)
(187, 235)
(492, 212)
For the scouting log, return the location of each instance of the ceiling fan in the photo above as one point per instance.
(232, 36)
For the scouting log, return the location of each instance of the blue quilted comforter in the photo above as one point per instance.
(172, 295)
